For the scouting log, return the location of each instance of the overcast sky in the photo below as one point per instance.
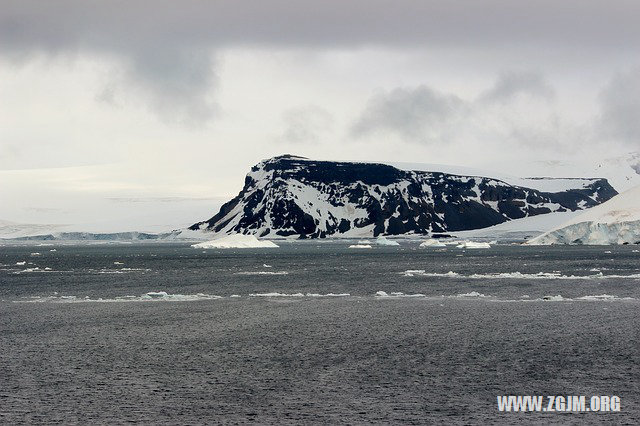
(105, 101)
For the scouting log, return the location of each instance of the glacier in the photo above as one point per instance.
(616, 221)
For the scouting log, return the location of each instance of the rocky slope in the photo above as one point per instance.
(295, 196)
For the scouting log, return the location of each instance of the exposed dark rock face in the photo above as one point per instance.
(290, 195)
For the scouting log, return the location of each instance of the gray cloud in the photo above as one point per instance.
(620, 108)
(166, 45)
(424, 115)
(511, 84)
(413, 113)
(76, 23)
(306, 124)
(176, 83)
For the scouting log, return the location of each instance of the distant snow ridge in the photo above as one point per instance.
(616, 221)
(294, 196)
(236, 241)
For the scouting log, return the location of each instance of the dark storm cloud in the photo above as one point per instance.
(167, 45)
(67, 23)
(620, 106)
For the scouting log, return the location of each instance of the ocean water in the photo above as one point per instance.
(314, 332)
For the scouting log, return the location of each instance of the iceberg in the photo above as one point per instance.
(236, 241)
(473, 245)
(383, 241)
(616, 221)
(360, 246)
(432, 243)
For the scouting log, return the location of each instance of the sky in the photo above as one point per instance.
(114, 110)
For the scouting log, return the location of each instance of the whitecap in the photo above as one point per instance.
(397, 294)
(519, 275)
(603, 297)
(471, 294)
(152, 296)
(556, 298)
(276, 294)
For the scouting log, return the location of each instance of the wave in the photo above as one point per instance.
(524, 298)
(163, 296)
(471, 294)
(262, 273)
(35, 270)
(516, 275)
(147, 297)
(560, 298)
(119, 271)
(276, 294)
(397, 294)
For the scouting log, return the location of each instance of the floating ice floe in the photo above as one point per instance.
(360, 246)
(383, 241)
(262, 273)
(21, 263)
(432, 242)
(236, 241)
(473, 245)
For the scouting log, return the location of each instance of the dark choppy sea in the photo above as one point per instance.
(314, 332)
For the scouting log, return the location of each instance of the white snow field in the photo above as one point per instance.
(236, 241)
(616, 221)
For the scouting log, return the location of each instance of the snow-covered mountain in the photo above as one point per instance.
(616, 221)
(295, 196)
